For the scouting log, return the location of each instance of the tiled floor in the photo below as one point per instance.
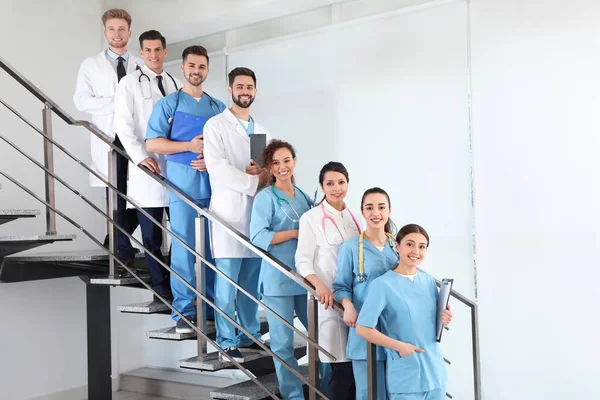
(136, 396)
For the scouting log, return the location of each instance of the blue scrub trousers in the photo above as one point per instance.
(243, 271)
(435, 394)
(183, 224)
(359, 368)
(282, 340)
(125, 218)
(152, 240)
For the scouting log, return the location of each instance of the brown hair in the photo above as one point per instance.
(411, 228)
(272, 147)
(118, 13)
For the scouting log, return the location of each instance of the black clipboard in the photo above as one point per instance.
(442, 304)
(258, 142)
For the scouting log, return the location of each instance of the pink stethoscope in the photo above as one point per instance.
(329, 217)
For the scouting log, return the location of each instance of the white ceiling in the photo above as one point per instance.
(180, 20)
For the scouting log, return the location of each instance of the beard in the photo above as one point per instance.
(118, 45)
(242, 104)
(195, 83)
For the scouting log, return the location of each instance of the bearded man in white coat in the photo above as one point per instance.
(94, 94)
(136, 95)
(234, 179)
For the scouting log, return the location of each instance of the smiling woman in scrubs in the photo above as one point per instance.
(400, 315)
(361, 260)
(274, 227)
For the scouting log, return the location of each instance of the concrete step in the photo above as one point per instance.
(248, 390)
(16, 244)
(213, 362)
(11, 215)
(67, 256)
(171, 334)
(171, 383)
(149, 307)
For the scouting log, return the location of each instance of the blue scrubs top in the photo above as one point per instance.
(346, 284)
(194, 183)
(267, 219)
(405, 310)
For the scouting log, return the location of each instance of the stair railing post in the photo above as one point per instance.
(112, 212)
(313, 353)
(372, 370)
(201, 282)
(49, 163)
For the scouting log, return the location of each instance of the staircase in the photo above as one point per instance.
(10, 245)
(98, 269)
(258, 362)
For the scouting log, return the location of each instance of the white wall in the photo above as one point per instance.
(43, 331)
(537, 186)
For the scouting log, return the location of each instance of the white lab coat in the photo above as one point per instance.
(315, 255)
(94, 93)
(134, 102)
(227, 155)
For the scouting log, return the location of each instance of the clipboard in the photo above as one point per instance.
(442, 304)
(258, 142)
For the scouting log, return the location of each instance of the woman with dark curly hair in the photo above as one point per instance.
(274, 222)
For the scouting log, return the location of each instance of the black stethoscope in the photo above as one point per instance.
(147, 78)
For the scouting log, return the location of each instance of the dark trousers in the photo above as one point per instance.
(152, 239)
(341, 383)
(127, 219)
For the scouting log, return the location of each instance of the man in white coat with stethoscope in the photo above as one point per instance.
(94, 94)
(234, 179)
(135, 97)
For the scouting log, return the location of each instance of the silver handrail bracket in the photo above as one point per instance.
(49, 163)
(201, 283)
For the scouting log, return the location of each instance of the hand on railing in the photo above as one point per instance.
(350, 314)
(151, 164)
(324, 295)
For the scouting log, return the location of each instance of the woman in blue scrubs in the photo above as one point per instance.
(274, 222)
(399, 314)
(360, 261)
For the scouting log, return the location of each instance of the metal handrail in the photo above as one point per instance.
(161, 226)
(198, 293)
(49, 104)
(147, 286)
(297, 278)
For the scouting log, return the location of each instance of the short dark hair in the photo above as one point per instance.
(152, 35)
(411, 228)
(241, 71)
(195, 50)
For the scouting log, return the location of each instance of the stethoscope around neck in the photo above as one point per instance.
(361, 256)
(147, 79)
(279, 200)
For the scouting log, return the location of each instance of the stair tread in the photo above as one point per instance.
(248, 390)
(20, 212)
(212, 361)
(171, 334)
(65, 256)
(35, 238)
(148, 307)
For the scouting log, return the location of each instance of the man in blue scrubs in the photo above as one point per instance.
(175, 129)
